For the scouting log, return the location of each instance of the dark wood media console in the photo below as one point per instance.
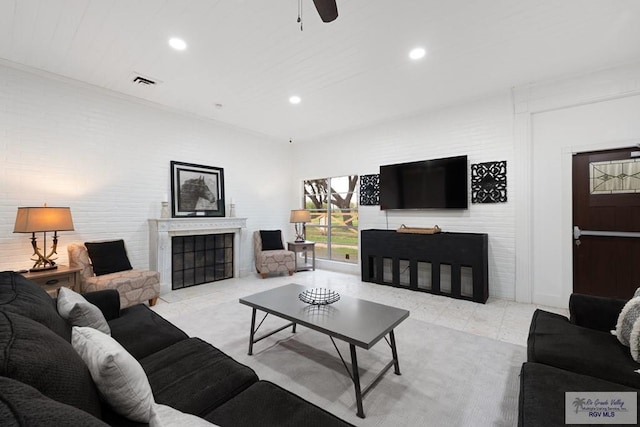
(386, 256)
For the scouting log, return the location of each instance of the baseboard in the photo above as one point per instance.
(340, 267)
(551, 300)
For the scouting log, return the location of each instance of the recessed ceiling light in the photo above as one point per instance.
(417, 53)
(295, 99)
(177, 44)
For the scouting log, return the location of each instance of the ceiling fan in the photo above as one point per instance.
(327, 9)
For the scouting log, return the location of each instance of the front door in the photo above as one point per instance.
(606, 220)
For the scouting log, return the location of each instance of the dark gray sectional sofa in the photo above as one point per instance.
(43, 382)
(575, 354)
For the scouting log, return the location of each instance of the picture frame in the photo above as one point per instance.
(196, 190)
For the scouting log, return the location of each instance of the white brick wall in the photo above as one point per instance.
(483, 130)
(107, 157)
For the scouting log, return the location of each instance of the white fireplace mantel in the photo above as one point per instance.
(161, 231)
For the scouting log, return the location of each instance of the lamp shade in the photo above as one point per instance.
(300, 215)
(34, 220)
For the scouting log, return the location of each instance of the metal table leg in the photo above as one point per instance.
(252, 331)
(356, 380)
(354, 374)
(394, 353)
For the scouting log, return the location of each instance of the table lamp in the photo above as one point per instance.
(298, 217)
(44, 219)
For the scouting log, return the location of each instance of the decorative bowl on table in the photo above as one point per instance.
(319, 296)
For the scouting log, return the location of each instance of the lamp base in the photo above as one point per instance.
(37, 269)
(300, 232)
(42, 262)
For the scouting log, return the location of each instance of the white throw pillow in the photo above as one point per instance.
(166, 416)
(118, 376)
(74, 308)
(627, 318)
(634, 341)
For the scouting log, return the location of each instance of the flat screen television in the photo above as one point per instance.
(428, 184)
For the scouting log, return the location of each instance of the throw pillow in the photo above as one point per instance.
(80, 312)
(634, 341)
(271, 240)
(628, 316)
(119, 377)
(166, 416)
(636, 293)
(108, 257)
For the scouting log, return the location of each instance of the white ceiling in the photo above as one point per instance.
(250, 55)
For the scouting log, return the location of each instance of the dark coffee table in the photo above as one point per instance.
(358, 322)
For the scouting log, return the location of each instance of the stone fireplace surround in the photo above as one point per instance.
(162, 230)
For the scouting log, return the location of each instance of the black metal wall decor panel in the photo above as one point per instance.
(369, 190)
(489, 182)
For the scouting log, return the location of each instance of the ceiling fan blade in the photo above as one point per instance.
(327, 9)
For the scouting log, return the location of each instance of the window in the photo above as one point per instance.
(333, 203)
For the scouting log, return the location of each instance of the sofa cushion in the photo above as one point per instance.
(23, 405)
(108, 257)
(108, 301)
(271, 240)
(22, 296)
(80, 312)
(142, 332)
(272, 405)
(556, 342)
(193, 376)
(33, 354)
(542, 393)
(119, 377)
(595, 312)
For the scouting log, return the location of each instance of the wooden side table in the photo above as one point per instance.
(52, 280)
(303, 247)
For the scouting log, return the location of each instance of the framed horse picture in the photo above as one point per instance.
(196, 190)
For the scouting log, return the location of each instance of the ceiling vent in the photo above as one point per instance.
(143, 81)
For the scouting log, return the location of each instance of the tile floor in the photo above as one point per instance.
(499, 319)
